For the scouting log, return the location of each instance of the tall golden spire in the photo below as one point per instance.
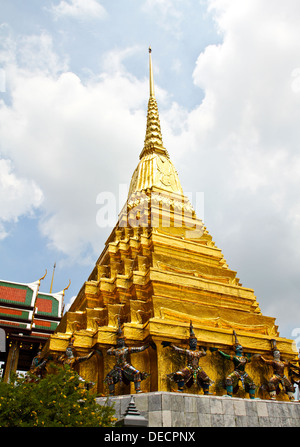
(151, 74)
(155, 167)
(153, 140)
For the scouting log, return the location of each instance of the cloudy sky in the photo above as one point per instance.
(73, 102)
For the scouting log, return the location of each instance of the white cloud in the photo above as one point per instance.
(79, 9)
(250, 89)
(168, 14)
(18, 197)
(36, 53)
(75, 140)
(113, 60)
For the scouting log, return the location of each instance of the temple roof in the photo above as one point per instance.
(23, 308)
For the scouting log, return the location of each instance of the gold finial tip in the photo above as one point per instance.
(150, 50)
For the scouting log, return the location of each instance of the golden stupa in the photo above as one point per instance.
(159, 271)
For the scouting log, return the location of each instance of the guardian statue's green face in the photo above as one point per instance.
(239, 350)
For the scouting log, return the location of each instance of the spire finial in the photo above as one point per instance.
(52, 277)
(151, 75)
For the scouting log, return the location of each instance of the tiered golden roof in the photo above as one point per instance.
(159, 270)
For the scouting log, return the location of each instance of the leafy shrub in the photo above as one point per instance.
(58, 400)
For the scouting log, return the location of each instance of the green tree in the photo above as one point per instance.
(58, 400)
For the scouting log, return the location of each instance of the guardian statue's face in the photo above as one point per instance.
(193, 343)
(120, 343)
(276, 355)
(239, 350)
(69, 352)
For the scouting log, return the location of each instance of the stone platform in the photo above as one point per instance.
(164, 409)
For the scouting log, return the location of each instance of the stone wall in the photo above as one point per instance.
(164, 409)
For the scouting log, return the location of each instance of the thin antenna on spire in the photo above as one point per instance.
(52, 277)
(151, 74)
